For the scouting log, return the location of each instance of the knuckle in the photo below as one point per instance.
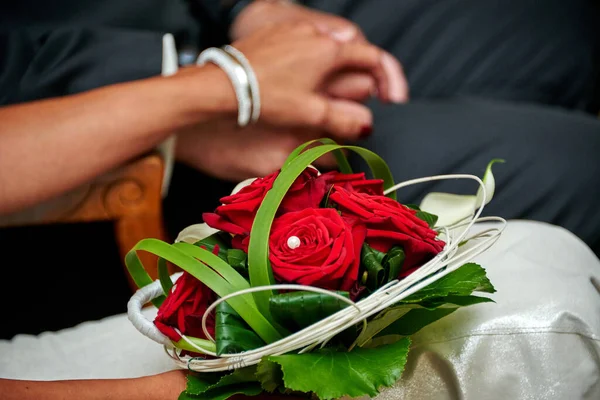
(305, 28)
(357, 28)
(374, 54)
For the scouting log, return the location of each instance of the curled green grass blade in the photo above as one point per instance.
(195, 265)
(215, 262)
(163, 275)
(339, 155)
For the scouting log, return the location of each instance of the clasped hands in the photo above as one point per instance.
(314, 70)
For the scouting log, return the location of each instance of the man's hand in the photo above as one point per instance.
(353, 85)
(224, 151)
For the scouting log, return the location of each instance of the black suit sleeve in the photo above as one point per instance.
(36, 65)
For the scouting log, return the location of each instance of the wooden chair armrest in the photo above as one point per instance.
(130, 196)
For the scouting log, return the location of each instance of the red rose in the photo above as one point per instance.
(353, 182)
(326, 252)
(390, 223)
(183, 309)
(237, 212)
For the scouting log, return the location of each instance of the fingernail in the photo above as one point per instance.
(365, 132)
(344, 35)
(395, 90)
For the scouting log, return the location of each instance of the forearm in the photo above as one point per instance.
(51, 146)
(165, 386)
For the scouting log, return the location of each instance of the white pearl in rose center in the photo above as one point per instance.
(293, 242)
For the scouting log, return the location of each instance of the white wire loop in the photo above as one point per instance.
(452, 257)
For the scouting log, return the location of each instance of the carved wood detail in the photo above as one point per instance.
(130, 196)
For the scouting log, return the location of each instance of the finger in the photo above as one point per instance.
(362, 55)
(398, 85)
(342, 119)
(351, 86)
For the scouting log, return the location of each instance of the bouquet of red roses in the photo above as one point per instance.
(309, 282)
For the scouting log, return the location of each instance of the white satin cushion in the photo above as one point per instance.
(540, 340)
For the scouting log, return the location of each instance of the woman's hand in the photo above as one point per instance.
(292, 62)
(348, 84)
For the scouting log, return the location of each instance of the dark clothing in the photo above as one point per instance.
(63, 47)
(512, 79)
(515, 50)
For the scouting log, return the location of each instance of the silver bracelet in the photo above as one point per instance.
(252, 80)
(238, 77)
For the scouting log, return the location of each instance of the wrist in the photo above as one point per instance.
(205, 94)
(165, 386)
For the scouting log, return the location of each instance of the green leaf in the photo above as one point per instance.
(196, 265)
(222, 253)
(224, 393)
(258, 251)
(238, 259)
(216, 386)
(408, 319)
(415, 320)
(382, 341)
(453, 289)
(269, 375)
(215, 241)
(233, 335)
(382, 321)
(221, 239)
(392, 262)
(201, 383)
(431, 219)
(325, 203)
(453, 208)
(379, 255)
(297, 310)
(163, 275)
(465, 280)
(373, 268)
(332, 374)
(461, 301)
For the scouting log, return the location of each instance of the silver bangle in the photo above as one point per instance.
(238, 77)
(252, 80)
